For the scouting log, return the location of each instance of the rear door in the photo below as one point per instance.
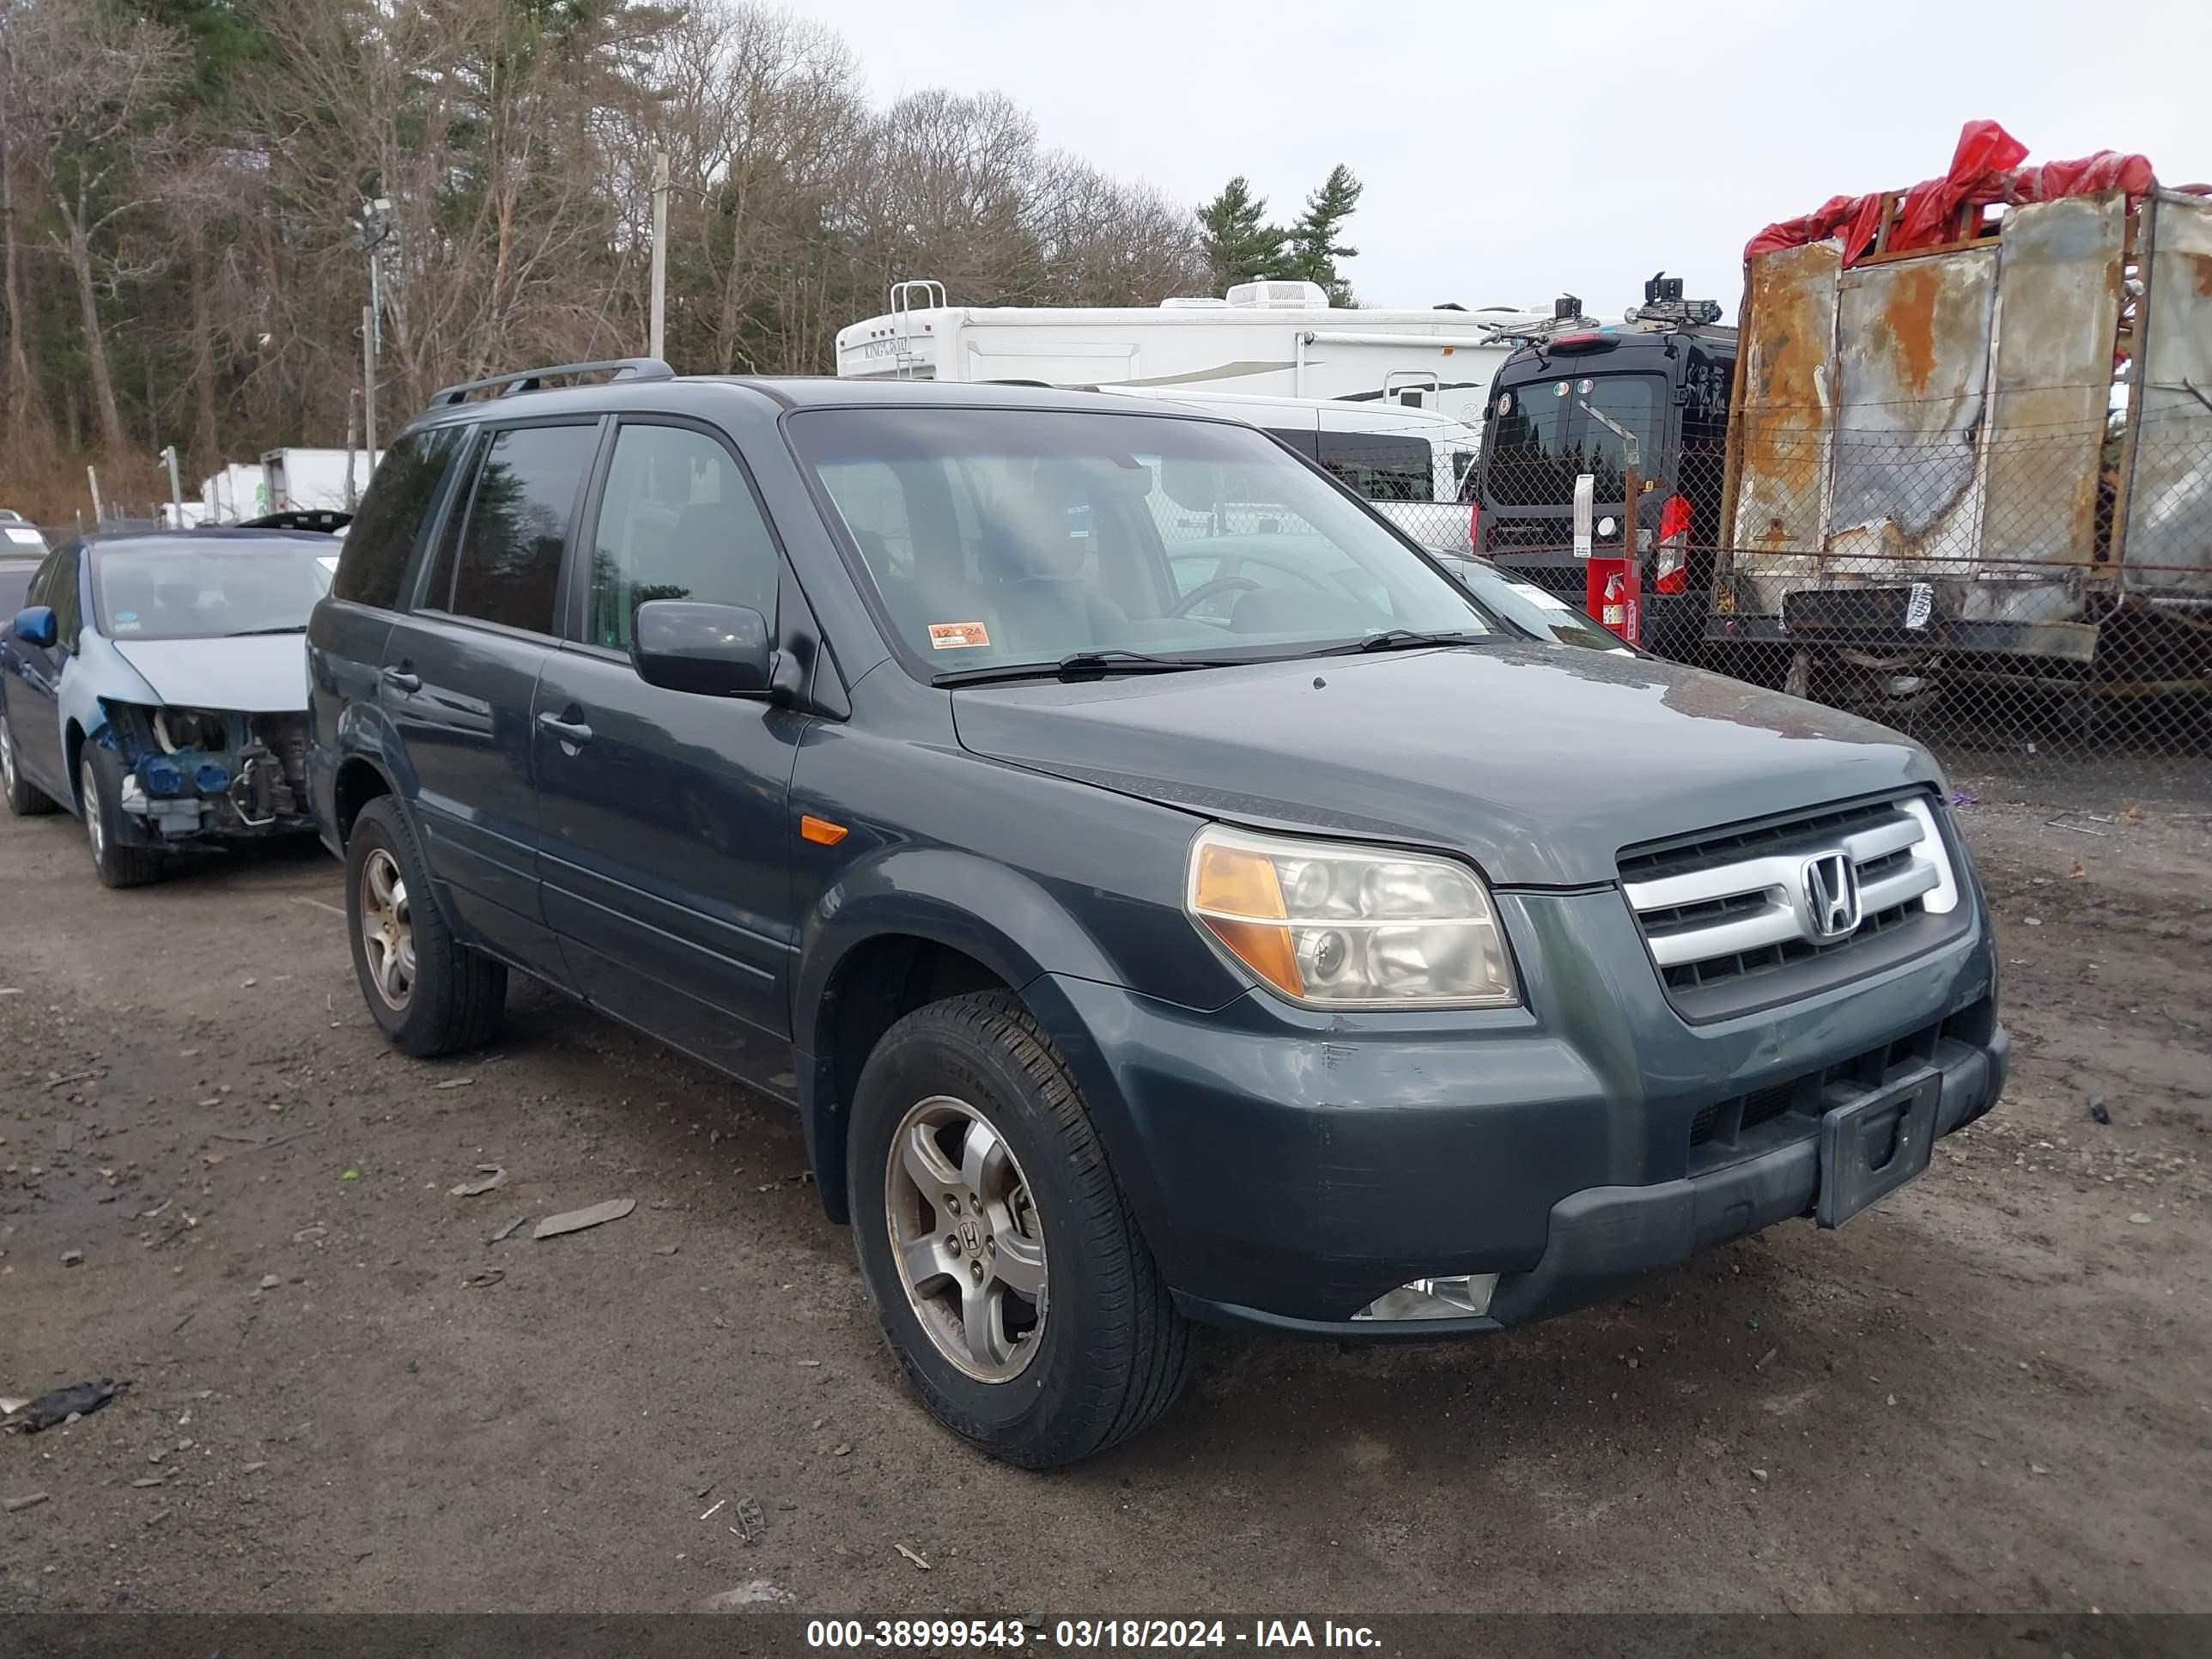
(459, 670)
(666, 831)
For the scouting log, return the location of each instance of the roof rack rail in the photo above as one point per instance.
(533, 379)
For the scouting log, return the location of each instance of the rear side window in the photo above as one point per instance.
(382, 537)
(509, 565)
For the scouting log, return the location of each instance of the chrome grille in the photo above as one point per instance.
(1737, 903)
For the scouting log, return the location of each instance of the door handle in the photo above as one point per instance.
(570, 732)
(400, 680)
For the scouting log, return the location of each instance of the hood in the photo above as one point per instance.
(260, 674)
(1537, 763)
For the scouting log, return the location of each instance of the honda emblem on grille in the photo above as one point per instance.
(1831, 897)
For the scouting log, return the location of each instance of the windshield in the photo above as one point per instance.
(1000, 537)
(208, 590)
(1530, 607)
(21, 538)
(1546, 432)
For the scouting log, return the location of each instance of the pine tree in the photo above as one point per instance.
(1235, 237)
(1314, 249)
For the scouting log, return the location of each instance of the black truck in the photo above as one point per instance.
(1580, 396)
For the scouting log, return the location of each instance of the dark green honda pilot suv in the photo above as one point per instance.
(1162, 892)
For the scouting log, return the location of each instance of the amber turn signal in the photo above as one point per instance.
(820, 831)
(1236, 893)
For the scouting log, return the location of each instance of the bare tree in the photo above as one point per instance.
(1102, 242)
(27, 425)
(94, 131)
(204, 203)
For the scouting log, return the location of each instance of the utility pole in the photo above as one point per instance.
(657, 342)
(99, 513)
(374, 227)
(369, 383)
(176, 487)
(352, 428)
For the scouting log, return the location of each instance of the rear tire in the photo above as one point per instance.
(1102, 1350)
(25, 799)
(429, 993)
(100, 788)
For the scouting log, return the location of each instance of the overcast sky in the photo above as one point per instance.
(1511, 153)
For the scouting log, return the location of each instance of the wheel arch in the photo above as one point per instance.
(916, 926)
(73, 741)
(358, 780)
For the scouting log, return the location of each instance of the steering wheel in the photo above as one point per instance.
(1205, 591)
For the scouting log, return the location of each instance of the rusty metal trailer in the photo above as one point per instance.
(1990, 461)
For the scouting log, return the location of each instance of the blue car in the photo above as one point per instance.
(155, 685)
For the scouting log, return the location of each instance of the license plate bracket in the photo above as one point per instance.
(1871, 1147)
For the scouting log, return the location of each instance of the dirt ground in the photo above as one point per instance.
(1993, 1392)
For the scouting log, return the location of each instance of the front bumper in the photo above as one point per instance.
(1602, 1237)
(191, 820)
(1289, 1168)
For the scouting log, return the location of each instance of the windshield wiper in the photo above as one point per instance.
(281, 627)
(1399, 639)
(1080, 665)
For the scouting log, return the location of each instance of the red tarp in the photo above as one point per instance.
(1985, 168)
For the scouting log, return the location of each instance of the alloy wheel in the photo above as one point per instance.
(96, 829)
(387, 928)
(966, 1235)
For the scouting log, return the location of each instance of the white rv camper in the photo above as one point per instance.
(1266, 339)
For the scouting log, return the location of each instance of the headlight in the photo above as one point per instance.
(1333, 926)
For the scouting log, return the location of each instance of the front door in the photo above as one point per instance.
(664, 827)
(460, 671)
(34, 721)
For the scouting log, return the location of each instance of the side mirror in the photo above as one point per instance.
(714, 650)
(35, 625)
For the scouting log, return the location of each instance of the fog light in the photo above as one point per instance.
(1460, 1296)
(211, 779)
(160, 777)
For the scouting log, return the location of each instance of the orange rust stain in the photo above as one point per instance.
(1790, 324)
(1911, 314)
(2202, 265)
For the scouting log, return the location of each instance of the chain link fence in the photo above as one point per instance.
(2046, 589)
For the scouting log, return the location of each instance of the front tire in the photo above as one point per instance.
(24, 799)
(99, 792)
(429, 993)
(1013, 1286)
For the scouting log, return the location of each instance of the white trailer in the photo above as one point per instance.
(302, 479)
(234, 493)
(1266, 338)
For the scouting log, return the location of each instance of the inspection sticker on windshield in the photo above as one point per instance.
(957, 636)
(1538, 596)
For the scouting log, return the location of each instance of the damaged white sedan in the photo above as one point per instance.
(155, 685)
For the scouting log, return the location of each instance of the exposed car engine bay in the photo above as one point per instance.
(207, 774)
